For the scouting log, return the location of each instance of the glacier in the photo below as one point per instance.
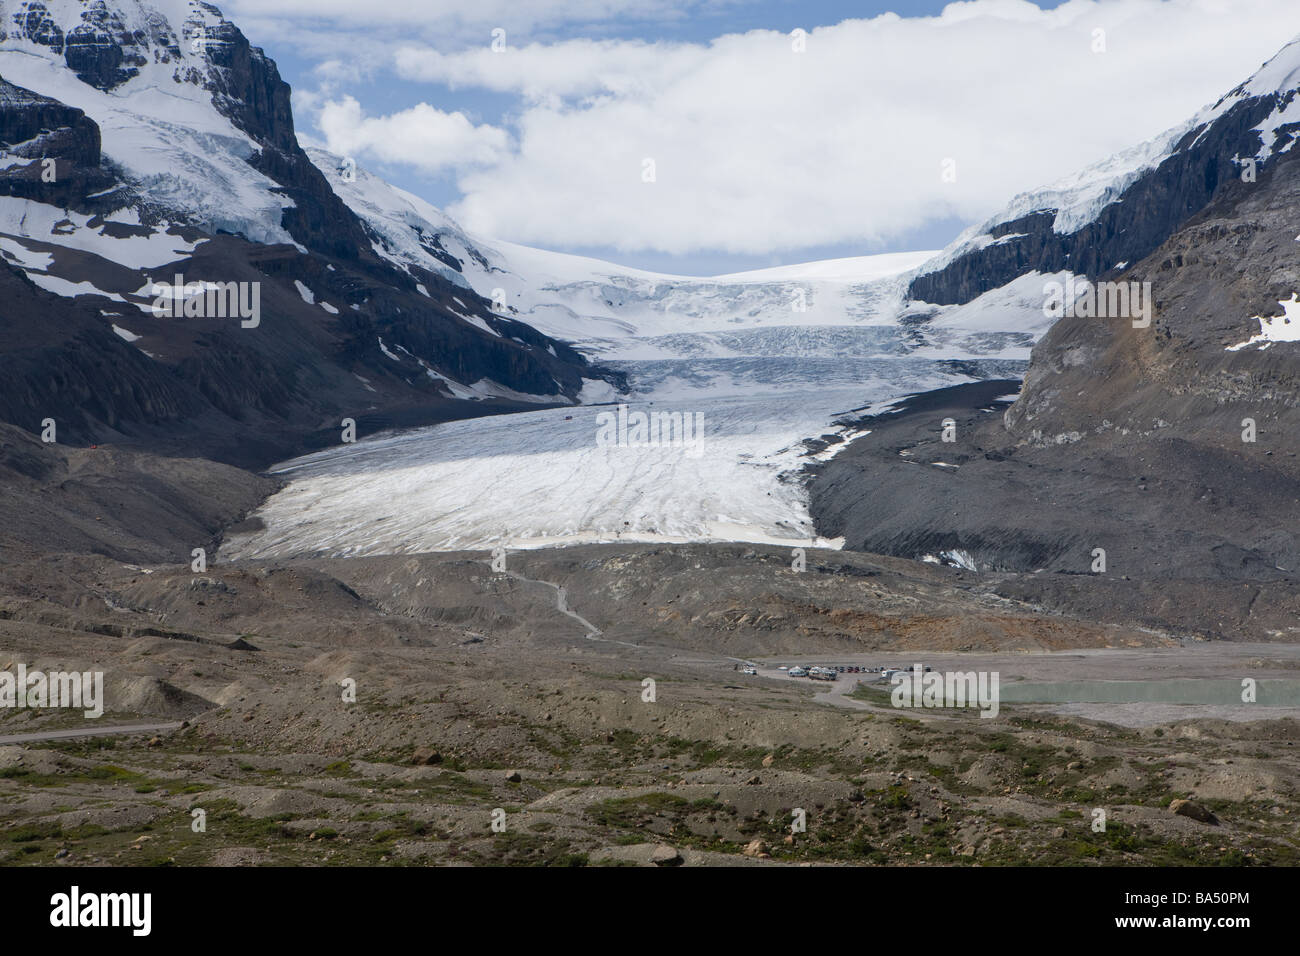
(768, 358)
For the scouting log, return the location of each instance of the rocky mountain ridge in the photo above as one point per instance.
(1161, 451)
(1120, 210)
(144, 141)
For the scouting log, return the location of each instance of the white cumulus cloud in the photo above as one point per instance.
(757, 147)
(422, 136)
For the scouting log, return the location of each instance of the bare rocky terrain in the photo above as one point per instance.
(1198, 541)
(634, 704)
(479, 691)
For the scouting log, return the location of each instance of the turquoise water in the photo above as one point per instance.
(1221, 692)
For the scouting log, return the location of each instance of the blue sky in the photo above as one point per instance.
(761, 157)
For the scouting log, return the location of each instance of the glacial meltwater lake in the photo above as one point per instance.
(1221, 692)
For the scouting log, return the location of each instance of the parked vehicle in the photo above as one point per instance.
(797, 671)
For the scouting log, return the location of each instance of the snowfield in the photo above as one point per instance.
(1281, 328)
(610, 310)
(24, 223)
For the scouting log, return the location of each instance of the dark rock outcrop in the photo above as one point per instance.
(55, 150)
(252, 396)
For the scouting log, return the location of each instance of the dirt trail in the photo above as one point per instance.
(97, 732)
(593, 633)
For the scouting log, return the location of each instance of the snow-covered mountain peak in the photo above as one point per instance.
(110, 45)
(1281, 74)
(407, 230)
(181, 101)
(1118, 210)
(173, 148)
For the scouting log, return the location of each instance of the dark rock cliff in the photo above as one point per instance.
(1203, 162)
(34, 129)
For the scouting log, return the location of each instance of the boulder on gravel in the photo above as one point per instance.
(1186, 808)
(665, 855)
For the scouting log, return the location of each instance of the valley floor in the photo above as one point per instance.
(587, 704)
(477, 697)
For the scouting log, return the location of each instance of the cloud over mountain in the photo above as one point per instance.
(759, 147)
